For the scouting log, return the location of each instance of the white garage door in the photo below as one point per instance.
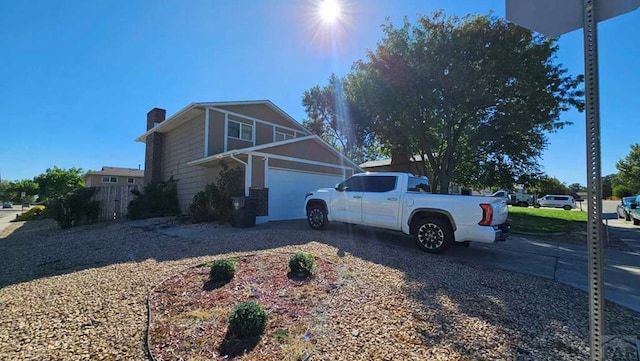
(287, 190)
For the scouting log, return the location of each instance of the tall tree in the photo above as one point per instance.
(629, 171)
(336, 120)
(472, 97)
(14, 190)
(57, 181)
(548, 185)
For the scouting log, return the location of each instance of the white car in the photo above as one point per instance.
(557, 201)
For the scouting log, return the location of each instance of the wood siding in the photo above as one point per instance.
(262, 112)
(182, 145)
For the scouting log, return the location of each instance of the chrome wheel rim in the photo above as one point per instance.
(430, 236)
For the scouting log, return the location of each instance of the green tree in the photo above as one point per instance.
(607, 185)
(628, 177)
(473, 97)
(338, 121)
(14, 191)
(548, 185)
(576, 187)
(56, 182)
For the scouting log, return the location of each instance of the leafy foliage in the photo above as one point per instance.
(214, 202)
(247, 319)
(628, 177)
(57, 182)
(301, 263)
(158, 199)
(548, 185)
(75, 208)
(472, 97)
(12, 191)
(32, 214)
(222, 270)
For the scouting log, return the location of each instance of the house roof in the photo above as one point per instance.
(117, 172)
(259, 148)
(194, 109)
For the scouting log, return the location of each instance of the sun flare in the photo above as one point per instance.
(329, 10)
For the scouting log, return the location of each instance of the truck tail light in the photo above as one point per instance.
(487, 214)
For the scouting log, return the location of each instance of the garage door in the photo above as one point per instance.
(287, 190)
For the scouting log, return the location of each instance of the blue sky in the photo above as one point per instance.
(78, 77)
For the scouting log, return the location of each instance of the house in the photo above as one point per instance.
(113, 176)
(280, 160)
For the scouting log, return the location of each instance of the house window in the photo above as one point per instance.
(108, 179)
(283, 136)
(130, 180)
(240, 131)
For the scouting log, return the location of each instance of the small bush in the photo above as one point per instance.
(158, 199)
(247, 319)
(76, 208)
(214, 202)
(222, 270)
(301, 263)
(203, 208)
(34, 213)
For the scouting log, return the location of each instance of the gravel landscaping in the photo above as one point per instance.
(81, 294)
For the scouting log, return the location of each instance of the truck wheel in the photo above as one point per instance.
(317, 216)
(434, 235)
(636, 222)
(523, 204)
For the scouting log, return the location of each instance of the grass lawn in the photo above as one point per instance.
(543, 220)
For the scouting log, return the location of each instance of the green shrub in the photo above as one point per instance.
(76, 208)
(301, 263)
(247, 319)
(222, 270)
(34, 213)
(214, 202)
(157, 199)
(202, 207)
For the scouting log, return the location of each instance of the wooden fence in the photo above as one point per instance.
(114, 201)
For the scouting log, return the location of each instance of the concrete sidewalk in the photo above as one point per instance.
(563, 262)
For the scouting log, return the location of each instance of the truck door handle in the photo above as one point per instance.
(357, 196)
(392, 199)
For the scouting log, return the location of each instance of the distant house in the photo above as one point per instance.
(114, 176)
(280, 160)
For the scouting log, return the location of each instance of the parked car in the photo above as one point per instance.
(624, 208)
(7, 205)
(403, 202)
(557, 201)
(635, 211)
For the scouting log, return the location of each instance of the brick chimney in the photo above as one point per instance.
(153, 151)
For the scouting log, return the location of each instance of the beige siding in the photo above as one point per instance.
(216, 132)
(264, 133)
(262, 112)
(308, 149)
(257, 172)
(95, 180)
(182, 145)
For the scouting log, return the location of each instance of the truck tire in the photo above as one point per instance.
(523, 204)
(636, 222)
(434, 235)
(317, 216)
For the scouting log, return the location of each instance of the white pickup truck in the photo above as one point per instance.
(403, 202)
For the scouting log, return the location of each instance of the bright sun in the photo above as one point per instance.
(329, 10)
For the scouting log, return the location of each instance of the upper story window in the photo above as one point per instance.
(131, 180)
(108, 179)
(240, 131)
(282, 136)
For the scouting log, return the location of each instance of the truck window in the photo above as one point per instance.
(379, 184)
(418, 184)
(353, 184)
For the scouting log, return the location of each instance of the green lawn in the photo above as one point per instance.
(543, 220)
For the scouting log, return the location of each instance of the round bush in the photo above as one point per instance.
(301, 263)
(222, 270)
(247, 319)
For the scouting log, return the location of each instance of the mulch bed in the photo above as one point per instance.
(189, 314)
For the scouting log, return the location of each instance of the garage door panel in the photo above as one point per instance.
(287, 189)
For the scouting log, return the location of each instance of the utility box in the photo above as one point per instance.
(244, 214)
